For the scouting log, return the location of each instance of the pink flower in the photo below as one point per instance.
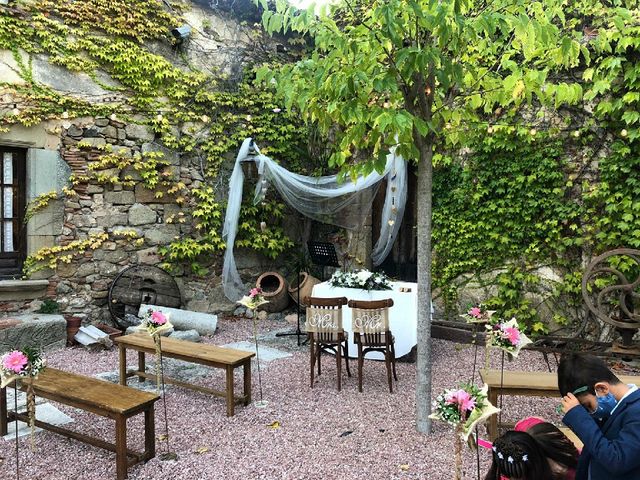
(15, 361)
(158, 318)
(475, 312)
(254, 292)
(513, 335)
(463, 399)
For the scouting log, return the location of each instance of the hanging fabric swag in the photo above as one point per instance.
(321, 198)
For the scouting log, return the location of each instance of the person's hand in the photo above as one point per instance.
(569, 401)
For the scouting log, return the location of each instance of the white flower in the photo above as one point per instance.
(363, 276)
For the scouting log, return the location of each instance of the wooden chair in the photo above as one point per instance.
(370, 326)
(324, 328)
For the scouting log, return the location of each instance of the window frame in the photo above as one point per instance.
(11, 262)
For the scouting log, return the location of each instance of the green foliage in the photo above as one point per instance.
(49, 306)
(258, 228)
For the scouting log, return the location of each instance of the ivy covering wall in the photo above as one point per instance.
(199, 112)
(553, 195)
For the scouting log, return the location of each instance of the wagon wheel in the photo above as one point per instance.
(611, 290)
(138, 285)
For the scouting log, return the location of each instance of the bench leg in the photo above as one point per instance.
(3, 411)
(229, 392)
(492, 424)
(247, 382)
(121, 447)
(141, 366)
(122, 351)
(149, 434)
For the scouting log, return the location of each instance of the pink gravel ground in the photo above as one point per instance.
(322, 433)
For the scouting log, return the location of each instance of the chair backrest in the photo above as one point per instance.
(324, 315)
(369, 317)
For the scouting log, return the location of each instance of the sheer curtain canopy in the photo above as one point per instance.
(324, 199)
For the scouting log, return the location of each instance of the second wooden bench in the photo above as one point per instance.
(210, 355)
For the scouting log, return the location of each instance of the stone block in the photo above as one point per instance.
(139, 132)
(9, 69)
(102, 122)
(148, 256)
(203, 323)
(124, 197)
(94, 141)
(85, 269)
(47, 332)
(186, 335)
(140, 214)
(63, 79)
(161, 234)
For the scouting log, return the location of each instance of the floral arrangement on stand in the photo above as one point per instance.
(18, 365)
(463, 408)
(363, 279)
(155, 322)
(252, 302)
(478, 314)
(506, 336)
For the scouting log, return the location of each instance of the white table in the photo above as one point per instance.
(403, 316)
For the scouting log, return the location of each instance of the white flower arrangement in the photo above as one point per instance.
(363, 279)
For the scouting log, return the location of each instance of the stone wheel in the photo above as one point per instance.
(141, 284)
(611, 288)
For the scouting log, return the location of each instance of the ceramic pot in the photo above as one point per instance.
(73, 325)
(274, 289)
(305, 284)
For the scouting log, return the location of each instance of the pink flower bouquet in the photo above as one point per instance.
(155, 322)
(20, 364)
(254, 299)
(507, 336)
(478, 314)
(463, 408)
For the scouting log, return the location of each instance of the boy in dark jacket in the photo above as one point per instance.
(609, 423)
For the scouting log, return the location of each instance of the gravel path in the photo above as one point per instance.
(322, 433)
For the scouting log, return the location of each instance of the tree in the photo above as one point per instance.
(417, 74)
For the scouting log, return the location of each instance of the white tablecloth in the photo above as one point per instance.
(403, 316)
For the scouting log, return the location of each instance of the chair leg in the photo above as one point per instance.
(393, 361)
(313, 357)
(387, 361)
(360, 363)
(339, 361)
(345, 346)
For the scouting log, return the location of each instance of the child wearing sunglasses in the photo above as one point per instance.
(605, 415)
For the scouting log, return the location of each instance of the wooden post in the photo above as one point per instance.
(457, 475)
(122, 363)
(121, 447)
(247, 381)
(149, 433)
(141, 366)
(3, 411)
(229, 390)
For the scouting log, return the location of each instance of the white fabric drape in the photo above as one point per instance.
(320, 198)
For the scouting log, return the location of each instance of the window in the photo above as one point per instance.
(13, 239)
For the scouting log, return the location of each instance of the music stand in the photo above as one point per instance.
(323, 254)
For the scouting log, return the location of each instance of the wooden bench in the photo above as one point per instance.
(99, 397)
(218, 357)
(530, 384)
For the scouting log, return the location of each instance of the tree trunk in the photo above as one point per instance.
(423, 374)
